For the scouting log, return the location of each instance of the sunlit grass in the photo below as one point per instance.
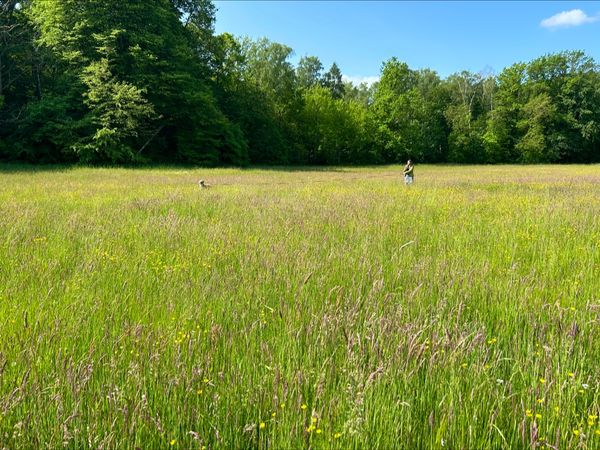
(294, 309)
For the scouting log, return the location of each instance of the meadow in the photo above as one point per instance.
(307, 308)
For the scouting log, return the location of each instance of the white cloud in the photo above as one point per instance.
(356, 80)
(565, 19)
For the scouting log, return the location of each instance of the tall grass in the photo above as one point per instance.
(301, 309)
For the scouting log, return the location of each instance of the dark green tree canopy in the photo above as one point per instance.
(332, 80)
(121, 82)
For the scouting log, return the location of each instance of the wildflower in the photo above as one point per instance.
(571, 375)
(499, 381)
(199, 391)
(303, 407)
(597, 432)
(310, 428)
(528, 413)
(581, 391)
(576, 431)
(492, 341)
(262, 425)
(282, 405)
(556, 409)
(463, 365)
(585, 385)
(592, 420)
(538, 416)
(173, 442)
(319, 431)
(542, 380)
(339, 435)
(313, 420)
(274, 414)
(206, 380)
(540, 400)
(572, 308)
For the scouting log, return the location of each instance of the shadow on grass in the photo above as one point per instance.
(8, 168)
(298, 168)
(17, 167)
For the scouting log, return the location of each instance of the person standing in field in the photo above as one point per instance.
(409, 173)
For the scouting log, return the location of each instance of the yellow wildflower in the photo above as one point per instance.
(542, 380)
(339, 435)
(540, 400)
(262, 425)
(319, 431)
(576, 431)
(528, 413)
(173, 442)
(538, 416)
(303, 406)
(273, 414)
(282, 405)
(313, 420)
(571, 374)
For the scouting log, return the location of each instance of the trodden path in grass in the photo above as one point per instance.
(308, 308)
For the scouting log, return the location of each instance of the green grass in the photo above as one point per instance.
(339, 309)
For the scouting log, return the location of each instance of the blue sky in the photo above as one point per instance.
(444, 36)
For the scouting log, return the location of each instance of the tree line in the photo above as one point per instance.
(149, 81)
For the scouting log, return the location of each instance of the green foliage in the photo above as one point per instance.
(118, 109)
(150, 82)
(408, 108)
(45, 128)
(538, 119)
(308, 72)
(501, 131)
(336, 130)
(332, 80)
(146, 89)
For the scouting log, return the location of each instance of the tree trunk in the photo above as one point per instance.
(1, 85)
(35, 71)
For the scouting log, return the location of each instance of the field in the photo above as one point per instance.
(291, 309)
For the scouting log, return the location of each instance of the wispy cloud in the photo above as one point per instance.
(356, 80)
(572, 18)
